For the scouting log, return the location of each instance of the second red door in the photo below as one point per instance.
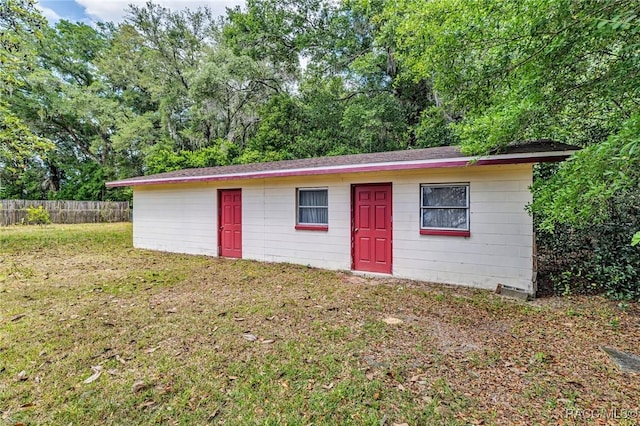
(372, 228)
(230, 222)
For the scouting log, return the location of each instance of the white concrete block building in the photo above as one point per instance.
(427, 214)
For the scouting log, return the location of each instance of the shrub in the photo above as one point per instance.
(38, 216)
(596, 259)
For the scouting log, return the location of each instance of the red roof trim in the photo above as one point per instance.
(349, 169)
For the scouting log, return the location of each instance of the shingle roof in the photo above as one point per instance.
(354, 163)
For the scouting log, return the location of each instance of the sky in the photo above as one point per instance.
(89, 11)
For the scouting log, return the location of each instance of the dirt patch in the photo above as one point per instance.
(453, 339)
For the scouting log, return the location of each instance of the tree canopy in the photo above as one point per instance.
(282, 79)
(21, 27)
(168, 89)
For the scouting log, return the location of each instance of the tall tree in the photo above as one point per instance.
(20, 28)
(170, 47)
(515, 70)
(375, 109)
(228, 90)
(65, 99)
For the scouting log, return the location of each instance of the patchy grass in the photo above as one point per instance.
(174, 338)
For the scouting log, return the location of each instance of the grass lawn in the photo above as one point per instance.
(93, 331)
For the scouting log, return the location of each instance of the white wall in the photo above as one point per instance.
(499, 249)
(176, 219)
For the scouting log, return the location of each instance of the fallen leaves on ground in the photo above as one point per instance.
(333, 348)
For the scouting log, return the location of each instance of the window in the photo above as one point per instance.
(444, 209)
(313, 209)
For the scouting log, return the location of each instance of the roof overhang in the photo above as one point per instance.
(500, 159)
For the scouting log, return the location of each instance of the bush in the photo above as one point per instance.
(596, 259)
(38, 216)
(166, 158)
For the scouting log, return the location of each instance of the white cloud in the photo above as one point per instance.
(50, 14)
(115, 10)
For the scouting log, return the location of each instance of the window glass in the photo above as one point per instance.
(445, 218)
(445, 206)
(313, 206)
(444, 196)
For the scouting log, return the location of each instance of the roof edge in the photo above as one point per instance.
(499, 159)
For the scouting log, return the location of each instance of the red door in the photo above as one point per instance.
(230, 221)
(372, 228)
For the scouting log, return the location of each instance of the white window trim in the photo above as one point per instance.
(467, 208)
(298, 206)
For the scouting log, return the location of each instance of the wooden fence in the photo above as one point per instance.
(14, 212)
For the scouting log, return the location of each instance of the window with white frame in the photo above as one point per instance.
(444, 206)
(313, 206)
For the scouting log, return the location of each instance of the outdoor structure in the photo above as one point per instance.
(426, 214)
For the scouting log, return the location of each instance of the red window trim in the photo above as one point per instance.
(445, 232)
(312, 227)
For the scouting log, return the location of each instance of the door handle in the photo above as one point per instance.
(356, 230)
(221, 228)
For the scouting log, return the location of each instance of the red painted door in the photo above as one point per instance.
(230, 220)
(372, 228)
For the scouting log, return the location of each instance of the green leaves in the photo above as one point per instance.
(535, 69)
(20, 27)
(579, 193)
(482, 56)
(507, 71)
(161, 159)
(17, 142)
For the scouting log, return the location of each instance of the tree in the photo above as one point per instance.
(515, 70)
(20, 27)
(227, 92)
(278, 31)
(352, 76)
(162, 51)
(567, 70)
(65, 99)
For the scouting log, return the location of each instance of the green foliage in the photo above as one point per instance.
(374, 123)
(636, 239)
(281, 122)
(519, 69)
(165, 159)
(158, 55)
(84, 181)
(434, 130)
(506, 71)
(580, 193)
(20, 28)
(351, 97)
(251, 156)
(516, 70)
(227, 90)
(17, 142)
(594, 259)
(279, 31)
(159, 92)
(38, 216)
